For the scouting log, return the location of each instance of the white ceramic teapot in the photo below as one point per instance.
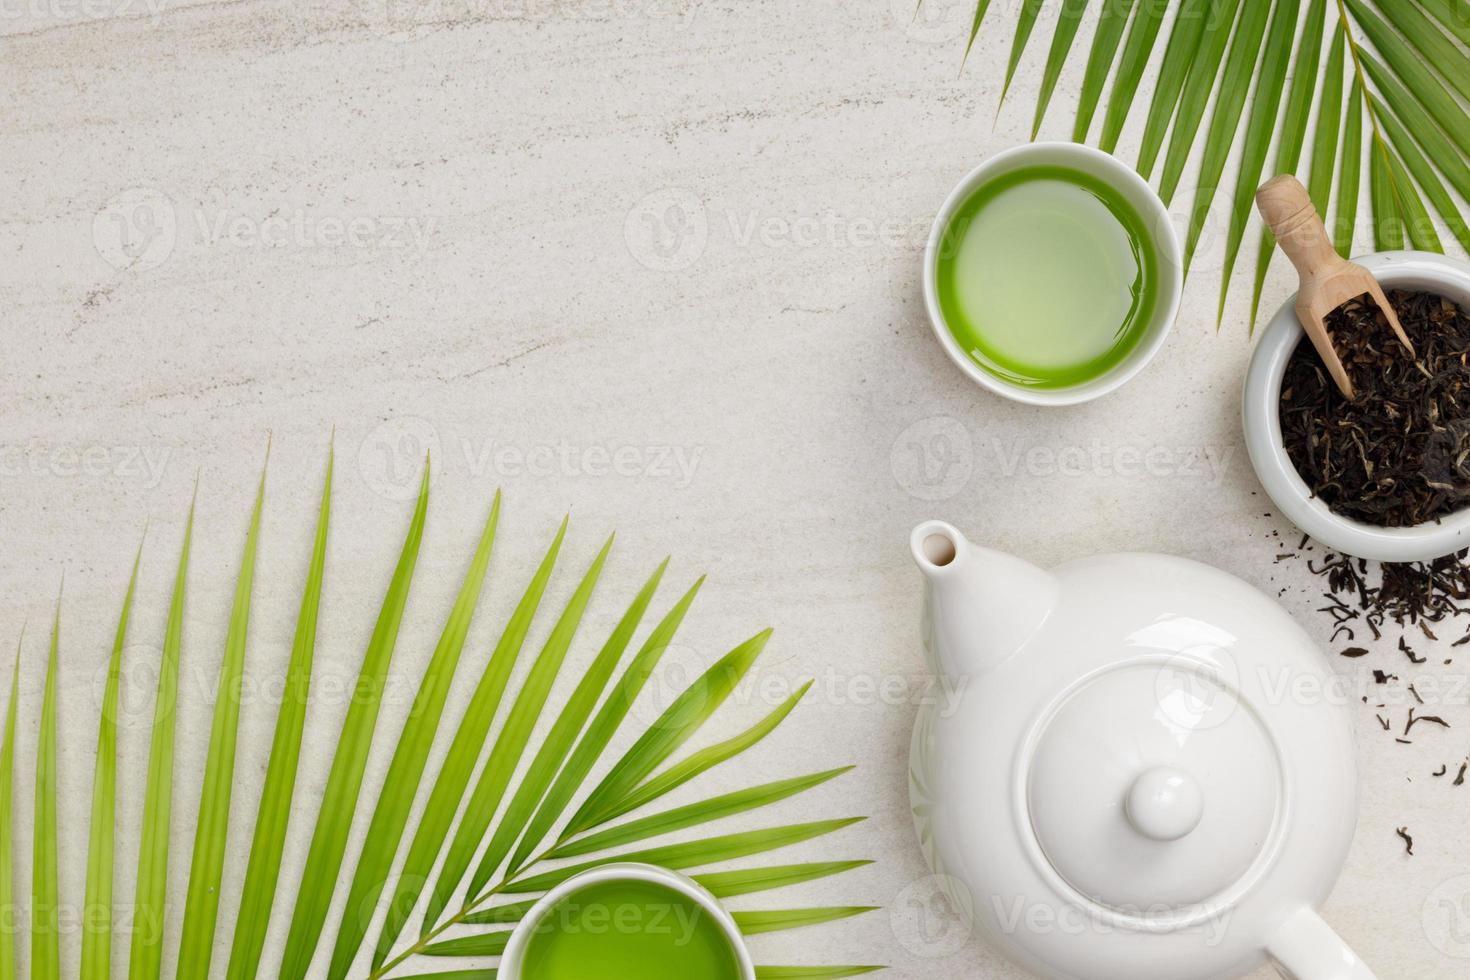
(1142, 767)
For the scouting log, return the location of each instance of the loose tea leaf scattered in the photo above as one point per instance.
(1398, 454)
(1403, 832)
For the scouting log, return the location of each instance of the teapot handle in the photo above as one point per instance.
(1306, 948)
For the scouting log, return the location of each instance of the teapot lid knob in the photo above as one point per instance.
(1165, 803)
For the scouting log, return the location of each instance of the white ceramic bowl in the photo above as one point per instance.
(511, 962)
(1401, 270)
(1135, 190)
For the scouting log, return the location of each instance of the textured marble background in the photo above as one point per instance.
(653, 262)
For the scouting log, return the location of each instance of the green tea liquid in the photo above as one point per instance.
(629, 930)
(1047, 277)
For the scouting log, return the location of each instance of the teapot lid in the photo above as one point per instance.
(1154, 789)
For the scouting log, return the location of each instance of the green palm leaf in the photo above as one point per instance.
(1245, 49)
(211, 833)
(7, 820)
(401, 784)
(464, 750)
(1424, 173)
(692, 854)
(1136, 51)
(559, 740)
(146, 950)
(1447, 159)
(494, 779)
(812, 972)
(730, 884)
(1056, 57)
(1024, 25)
(1448, 60)
(1452, 14)
(1293, 135)
(539, 785)
(1259, 127)
(1351, 172)
(263, 872)
(755, 923)
(678, 722)
(1100, 62)
(97, 912)
(339, 801)
(1179, 52)
(1203, 70)
(704, 760)
(693, 815)
(1329, 122)
(45, 892)
(1388, 220)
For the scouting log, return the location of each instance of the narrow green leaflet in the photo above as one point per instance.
(1409, 65)
(691, 854)
(680, 720)
(1351, 173)
(146, 950)
(201, 908)
(1203, 70)
(500, 914)
(1418, 223)
(1447, 158)
(1061, 45)
(1184, 38)
(274, 814)
(730, 884)
(980, 8)
(1453, 14)
(1234, 85)
(451, 975)
(812, 972)
(1423, 172)
(401, 784)
(1100, 62)
(1293, 133)
(45, 892)
(694, 814)
(459, 761)
(7, 822)
(1259, 127)
(97, 912)
(1329, 121)
(1136, 51)
(506, 755)
(1024, 25)
(1388, 221)
(704, 760)
(600, 732)
(559, 740)
(339, 801)
(485, 944)
(1430, 44)
(755, 923)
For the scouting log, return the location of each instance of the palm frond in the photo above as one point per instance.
(1100, 62)
(516, 851)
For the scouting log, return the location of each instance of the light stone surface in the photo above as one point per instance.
(653, 262)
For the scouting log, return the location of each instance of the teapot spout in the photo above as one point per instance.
(980, 606)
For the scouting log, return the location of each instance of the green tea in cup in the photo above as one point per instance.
(629, 929)
(1047, 277)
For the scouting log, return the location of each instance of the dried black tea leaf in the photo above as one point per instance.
(1403, 832)
(1397, 454)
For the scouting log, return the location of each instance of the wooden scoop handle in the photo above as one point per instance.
(1288, 209)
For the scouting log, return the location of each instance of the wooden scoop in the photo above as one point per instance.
(1327, 279)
